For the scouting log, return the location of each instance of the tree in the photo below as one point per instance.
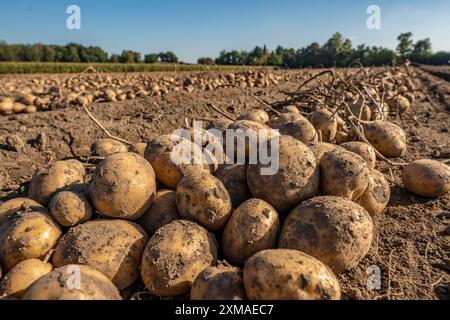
(205, 60)
(405, 43)
(115, 58)
(168, 57)
(129, 56)
(151, 58)
(421, 51)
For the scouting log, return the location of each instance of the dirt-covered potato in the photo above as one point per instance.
(72, 282)
(300, 129)
(290, 109)
(123, 186)
(282, 274)
(106, 147)
(260, 116)
(203, 198)
(399, 104)
(234, 179)
(27, 235)
(252, 227)
(12, 206)
(222, 282)
(320, 148)
(427, 178)
(388, 138)
(361, 111)
(70, 208)
(379, 111)
(113, 247)
(343, 173)
(22, 276)
(46, 182)
(295, 179)
(165, 154)
(334, 230)
(162, 211)
(174, 257)
(276, 122)
(324, 122)
(366, 151)
(377, 194)
(138, 148)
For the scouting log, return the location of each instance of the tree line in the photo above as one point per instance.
(335, 52)
(73, 52)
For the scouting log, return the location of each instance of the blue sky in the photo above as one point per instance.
(202, 28)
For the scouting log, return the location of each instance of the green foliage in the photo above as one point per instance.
(168, 57)
(151, 58)
(206, 60)
(405, 44)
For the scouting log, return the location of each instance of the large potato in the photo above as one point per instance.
(218, 283)
(12, 206)
(106, 147)
(320, 148)
(162, 211)
(364, 150)
(234, 179)
(281, 274)
(70, 208)
(285, 117)
(427, 178)
(334, 230)
(123, 186)
(259, 116)
(203, 198)
(22, 276)
(174, 257)
(251, 228)
(27, 235)
(166, 155)
(388, 138)
(343, 173)
(113, 247)
(300, 129)
(377, 194)
(46, 182)
(72, 282)
(295, 179)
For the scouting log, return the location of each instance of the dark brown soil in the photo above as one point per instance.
(411, 245)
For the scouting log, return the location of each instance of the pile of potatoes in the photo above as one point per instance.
(142, 221)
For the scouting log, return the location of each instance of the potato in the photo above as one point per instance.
(113, 247)
(106, 147)
(320, 148)
(296, 178)
(22, 276)
(332, 229)
(377, 194)
(323, 121)
(399, 104)
(162, 153)
(70, 208)
(375, 110)
(366, 151)
(342, 137)
(427, 178)
(12, 206)
(203, 198)
(138, 148)
(361, 111)
(285, 117)
(234, 179)
(301, 129)
(343, 173)
(259, 116)
(218, 283)
(27, 235)
(282, 274)
(252, 227)
(219, 124)
(46, 182)
(123, 186)
(174, 257)
(162, 211)
(290, 109)
(388, 138)
(72, 282)
(410, 96)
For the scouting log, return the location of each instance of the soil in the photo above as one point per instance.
(411, 244)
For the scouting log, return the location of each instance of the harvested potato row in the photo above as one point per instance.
(293, 177)
(62, 284)
(203, 198)
(46, 182)
(282, 274)
(334, 230)
(27, 235)
(174, 257)
(427, 178)
(70, 208)
(123, 186)
(252, 227)
(222, 282)
(162, 211)
(113, 247)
